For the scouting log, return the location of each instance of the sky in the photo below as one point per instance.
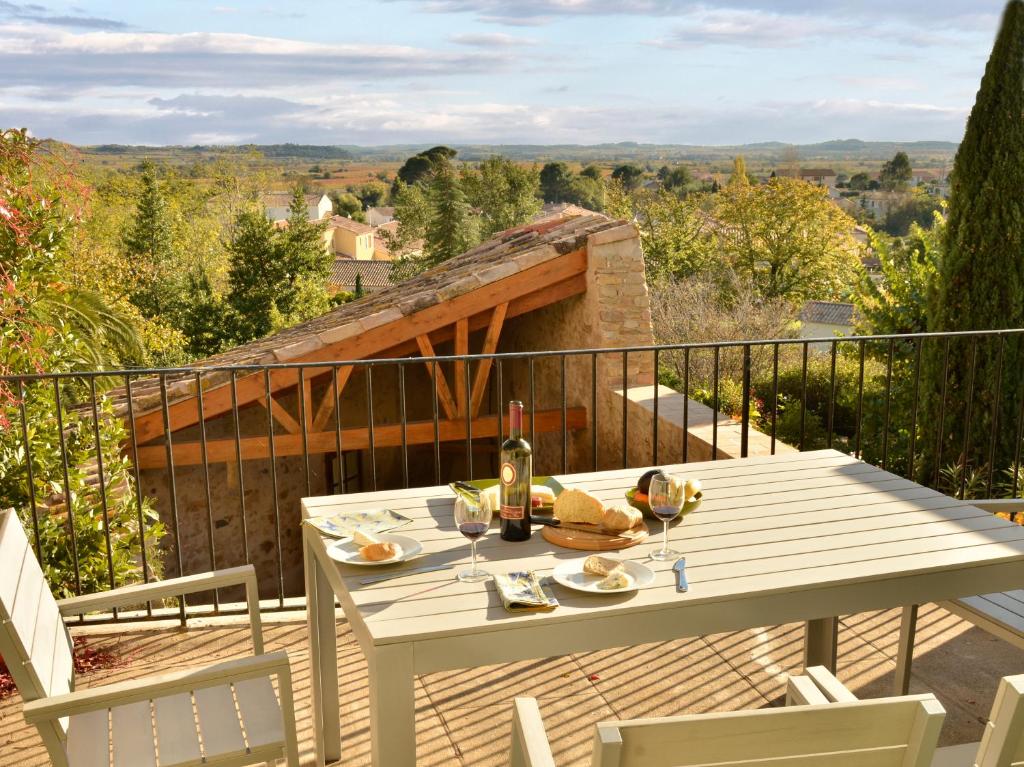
(492, 71)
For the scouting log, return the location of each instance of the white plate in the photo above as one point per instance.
(346, 550)
(570, 574)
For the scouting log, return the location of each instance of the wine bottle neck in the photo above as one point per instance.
(515, 420)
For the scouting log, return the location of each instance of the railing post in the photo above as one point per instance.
(745, 415)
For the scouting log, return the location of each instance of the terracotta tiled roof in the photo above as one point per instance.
(827, 313)
(344, 222)
(502, 256)
(373, 274)
(284, 199)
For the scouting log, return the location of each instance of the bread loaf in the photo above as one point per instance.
(595, 565)
(618, 519)
(377, 552)
(575, 505)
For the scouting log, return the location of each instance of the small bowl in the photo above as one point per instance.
(691, 505)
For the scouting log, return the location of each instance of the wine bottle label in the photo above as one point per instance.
(508, 474)
(512, 512)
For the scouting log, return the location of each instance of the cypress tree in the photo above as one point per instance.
(980, 284)
(451, 229)
(149, 246)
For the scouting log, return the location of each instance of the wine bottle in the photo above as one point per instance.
(515, 477)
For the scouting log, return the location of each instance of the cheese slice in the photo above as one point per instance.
(616, 580)
(365, 539)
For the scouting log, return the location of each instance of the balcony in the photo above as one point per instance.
(463, 718)
(210, 463)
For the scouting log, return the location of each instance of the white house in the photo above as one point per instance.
(824, 319)
(277, 203)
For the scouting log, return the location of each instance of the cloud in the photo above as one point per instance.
(423, 115)
(40, 15)
(980, 13)
(31, 54)
(747, 28)
(491, 40)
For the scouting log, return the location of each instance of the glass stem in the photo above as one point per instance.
(472, 546)
(664, 532)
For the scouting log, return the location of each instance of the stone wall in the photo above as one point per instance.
(613, 313)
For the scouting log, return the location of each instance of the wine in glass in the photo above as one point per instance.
(666, 502)
(473, 520)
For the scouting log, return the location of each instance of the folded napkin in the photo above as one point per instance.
(522, 592)
(344, 524)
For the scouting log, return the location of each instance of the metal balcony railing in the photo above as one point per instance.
(385, 423)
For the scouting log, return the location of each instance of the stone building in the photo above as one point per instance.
(259, 439)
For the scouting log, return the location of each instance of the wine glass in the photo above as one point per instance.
(473, 520)
(666, 505)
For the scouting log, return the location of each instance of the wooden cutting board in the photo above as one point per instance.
(586, 540)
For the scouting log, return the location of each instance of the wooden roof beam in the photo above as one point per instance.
(217, 400)
(444, 394)
(417, 433)
(483, 369)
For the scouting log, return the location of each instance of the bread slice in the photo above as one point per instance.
(378, 552)
(575, 505)
(597, 565)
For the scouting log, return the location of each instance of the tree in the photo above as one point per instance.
(255, 276)
(739, 171)
(555, 181)
(629, 175)
(347, 204)
(860, 181)
(980, 285)
(148, 246)
(505, 193)
(451, 229)
(898, 303)
(676, 234)
(677, 179)
(412, 211)
(788, 238)
(896, 172)
(919, 208)
(592, 171)
(420, 166)
(358, 290)
(39, 331)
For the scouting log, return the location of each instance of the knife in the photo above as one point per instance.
(414, 571)
(680, 568)
(555, 522)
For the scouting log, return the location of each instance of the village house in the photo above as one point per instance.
(825, 177)
(825, 319)
(277, 205)
(349, 239)
(375, 216)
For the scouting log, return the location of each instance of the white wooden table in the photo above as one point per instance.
(800, 536)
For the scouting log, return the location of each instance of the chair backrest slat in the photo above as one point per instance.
(1002, 744)
(889, 732)
(33, 639)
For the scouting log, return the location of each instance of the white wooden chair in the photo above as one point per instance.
(1000, 614)
(226, 714)
(888, 732)
(1001, 745)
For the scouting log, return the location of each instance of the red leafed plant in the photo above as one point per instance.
(87, 660)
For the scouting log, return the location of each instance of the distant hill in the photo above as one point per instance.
(767, 153)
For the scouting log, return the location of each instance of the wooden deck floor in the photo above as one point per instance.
(463, 717)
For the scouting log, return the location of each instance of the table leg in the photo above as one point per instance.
(905, 650)
(392, 706)
(820, 643)
(323, 659)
